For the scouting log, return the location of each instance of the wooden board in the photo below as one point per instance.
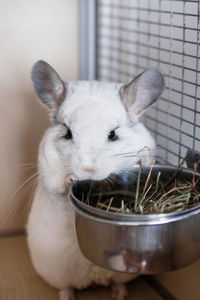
(19, 281)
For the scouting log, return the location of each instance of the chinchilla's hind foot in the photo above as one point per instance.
(119, 291)
(67, 294)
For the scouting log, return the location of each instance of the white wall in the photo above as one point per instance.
(29, 31)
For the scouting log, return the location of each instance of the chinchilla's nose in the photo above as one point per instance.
(87, 165)
(87, 162)
(88, 169)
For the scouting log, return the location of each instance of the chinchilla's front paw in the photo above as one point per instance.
(69, 180)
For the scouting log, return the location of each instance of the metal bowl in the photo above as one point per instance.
(142, 244)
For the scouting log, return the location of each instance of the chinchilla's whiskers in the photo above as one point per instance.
(25, 165)
(113, 177)
(30, 191)
(29, 160)
(24, 189)
(27, 168)
(139, 153)
(109, 180)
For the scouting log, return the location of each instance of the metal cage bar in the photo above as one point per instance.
(88, 39)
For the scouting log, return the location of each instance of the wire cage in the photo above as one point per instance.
(123, 38)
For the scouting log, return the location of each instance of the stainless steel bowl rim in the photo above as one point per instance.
(132, 219)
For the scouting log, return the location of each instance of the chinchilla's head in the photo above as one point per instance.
(95, 129)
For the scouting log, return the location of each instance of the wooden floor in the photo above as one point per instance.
(19, 281)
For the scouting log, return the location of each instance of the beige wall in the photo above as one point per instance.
(29, 31)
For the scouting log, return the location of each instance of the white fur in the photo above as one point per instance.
(91, 110)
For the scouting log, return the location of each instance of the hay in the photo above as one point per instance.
(154, 196)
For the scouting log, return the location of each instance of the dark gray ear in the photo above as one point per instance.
(143, 91)
(48, 85)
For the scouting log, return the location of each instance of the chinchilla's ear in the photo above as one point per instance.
(142, 91)
(48, 85)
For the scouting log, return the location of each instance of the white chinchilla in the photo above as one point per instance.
(94, 126)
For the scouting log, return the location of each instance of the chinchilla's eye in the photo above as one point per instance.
(68, 135)
(112, 136)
